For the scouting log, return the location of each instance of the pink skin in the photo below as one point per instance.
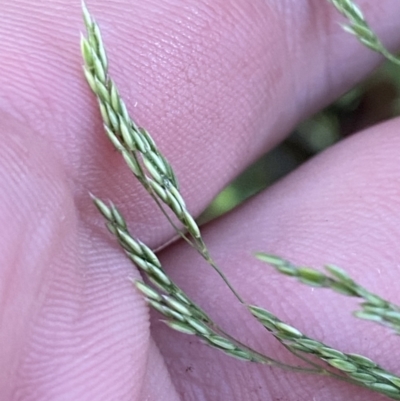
(216, 83)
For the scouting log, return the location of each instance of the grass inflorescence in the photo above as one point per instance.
(373, 307)
(358, 26)
(180, 312)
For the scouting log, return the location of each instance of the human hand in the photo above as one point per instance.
(216, 86)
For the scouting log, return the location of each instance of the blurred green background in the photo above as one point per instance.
(372, 101)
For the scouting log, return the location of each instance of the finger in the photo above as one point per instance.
(157, 383)
(341, 208)
(216, 85)
(71, 325)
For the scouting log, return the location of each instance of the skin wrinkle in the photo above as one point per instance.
(56, 333)
(26, 276)
(100, 343)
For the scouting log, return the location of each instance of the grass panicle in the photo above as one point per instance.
(155, 173)
(373, 307)
(170, 300)
(167, 298)
(358, 26)
(353, 366)
(137, 147)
